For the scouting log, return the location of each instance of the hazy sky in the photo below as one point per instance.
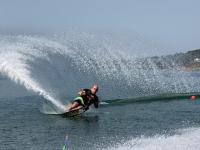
(174, 23)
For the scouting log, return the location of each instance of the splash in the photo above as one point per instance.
(17, 52)
(187, 139)
(58, 66)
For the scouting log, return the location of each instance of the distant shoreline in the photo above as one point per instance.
(191, 68)
(189, 61)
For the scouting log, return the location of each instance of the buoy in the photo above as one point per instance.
(193, 97)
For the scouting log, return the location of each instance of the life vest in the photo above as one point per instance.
(81, 100)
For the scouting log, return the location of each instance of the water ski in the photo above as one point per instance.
(74, 112)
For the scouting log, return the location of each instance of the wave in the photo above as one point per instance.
(185, 139)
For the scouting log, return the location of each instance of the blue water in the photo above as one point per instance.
(140, 108)
(23, 126)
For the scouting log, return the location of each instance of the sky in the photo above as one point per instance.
(174, 23)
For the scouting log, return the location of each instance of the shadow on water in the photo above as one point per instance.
(85, 119)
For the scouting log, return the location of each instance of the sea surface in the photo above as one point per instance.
(140, 109)
(160, 124)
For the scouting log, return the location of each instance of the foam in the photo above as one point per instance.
(185, 139)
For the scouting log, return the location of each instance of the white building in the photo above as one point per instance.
(197, 60)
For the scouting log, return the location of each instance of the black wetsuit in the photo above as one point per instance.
(88, 99)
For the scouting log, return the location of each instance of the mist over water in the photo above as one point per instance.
(56, 67)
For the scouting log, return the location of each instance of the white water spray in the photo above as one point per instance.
(72, 62)
(187, 139)
(14, 54)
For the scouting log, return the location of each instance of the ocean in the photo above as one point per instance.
(141, 108)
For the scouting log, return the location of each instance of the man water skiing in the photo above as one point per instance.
(86, 98)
